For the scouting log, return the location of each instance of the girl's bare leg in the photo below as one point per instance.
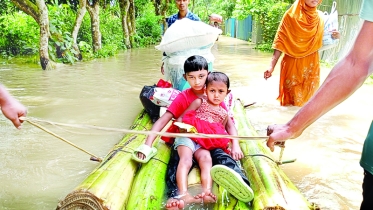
(204, 160)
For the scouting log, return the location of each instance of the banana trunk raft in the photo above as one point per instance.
(121, 183)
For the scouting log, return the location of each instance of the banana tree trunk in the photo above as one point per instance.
(109, 185)
(272, 188)
(118, 184)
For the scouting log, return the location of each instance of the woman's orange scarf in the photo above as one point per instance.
(300, 31)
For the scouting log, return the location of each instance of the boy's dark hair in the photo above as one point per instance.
(195, 63)
(217, 76)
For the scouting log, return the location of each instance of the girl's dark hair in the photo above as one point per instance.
(217, 76)
(195, 63)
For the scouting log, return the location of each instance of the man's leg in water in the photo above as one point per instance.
(367, 191)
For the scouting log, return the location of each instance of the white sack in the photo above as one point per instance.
(187, 34)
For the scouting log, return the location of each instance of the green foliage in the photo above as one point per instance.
(111, 27)
(369, 80)
(327, 64)
(86, 50)
(64, 48)
(19, 35)
(6, 7)
(270, 20)
(266, 47)
(148, 28)
(267, 12)
(204, 8)
(61, 20)
(172, 9)
(243, 9)
(106, 51)
(84, 34)
(85, 47)
(140, 7)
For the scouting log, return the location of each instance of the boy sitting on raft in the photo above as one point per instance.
(225, 170)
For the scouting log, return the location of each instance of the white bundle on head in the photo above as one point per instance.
(186, 34)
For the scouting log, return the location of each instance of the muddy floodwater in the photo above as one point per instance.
(38, 170)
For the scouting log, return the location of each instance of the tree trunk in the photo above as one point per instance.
(39, 12)
(44, 34)
(124, 10)
(78, 22)
(94, 11)
(131, 22)
(161, 7)
(157, 7)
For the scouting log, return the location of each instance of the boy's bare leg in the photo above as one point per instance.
(185, 163)
(204, 160)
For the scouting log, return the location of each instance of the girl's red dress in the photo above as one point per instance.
(208, 120)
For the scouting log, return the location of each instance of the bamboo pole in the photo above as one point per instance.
(117, 184)
(108, 186)
(272, 188)
(149, 186)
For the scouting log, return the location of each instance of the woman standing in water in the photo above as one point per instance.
(299, 37)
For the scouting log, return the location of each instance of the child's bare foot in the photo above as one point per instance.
(173, 204)
(188, 199)
(207, 197)
(181, 201)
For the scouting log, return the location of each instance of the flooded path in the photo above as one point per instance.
(37, 169)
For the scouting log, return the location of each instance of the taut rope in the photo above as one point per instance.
(162, 133)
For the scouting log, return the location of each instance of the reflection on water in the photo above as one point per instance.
(38, 169)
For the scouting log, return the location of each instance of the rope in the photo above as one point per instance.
(113, 153)
(159, 160)
(279, 162)
(282, 146)
(93, 157)
(261, 155)
(162, 133)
